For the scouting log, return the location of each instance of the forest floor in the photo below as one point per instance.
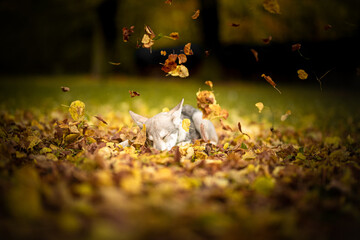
(289, 171)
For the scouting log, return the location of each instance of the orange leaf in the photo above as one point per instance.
(269, 80)
(209, 83)
(187, 49)
(182, 58)
(255, 53)
(174, 35)
(196, 14)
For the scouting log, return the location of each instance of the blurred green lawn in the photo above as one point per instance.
(334, 110)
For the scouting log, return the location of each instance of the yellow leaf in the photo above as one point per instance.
(20, 154)
(165, 109)
(34, 140)
(260, 106)
(77, 110)
(71, 137)
(272, 6)
(141, 137)
(45, 150)
(174, 35)
(302, 74)
(179, 71)
(285, 116)
(186, 124)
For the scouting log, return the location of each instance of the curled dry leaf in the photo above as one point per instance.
(147, 41)
(149, 32)
(255, 53)
(127, 33)
(182, 58)
(272, 6)
(174, 35)
(269, 80)
(163, 53)
(260, 106)
(65, 89)
(187, 49)
(209, 83)
(196, 14)
(170, 63)
(134, 94)
(179, 71)
(101, 119)
(302, 74)
(206, 102)
(186, 124)
(141, 137)
(239, 127)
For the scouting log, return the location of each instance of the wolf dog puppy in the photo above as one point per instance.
(164, 130)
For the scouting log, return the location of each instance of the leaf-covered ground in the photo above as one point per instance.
(61, 178)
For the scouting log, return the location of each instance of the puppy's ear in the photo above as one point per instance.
(138, 119)
(176, 113)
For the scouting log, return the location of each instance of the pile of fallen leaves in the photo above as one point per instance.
(68, 177)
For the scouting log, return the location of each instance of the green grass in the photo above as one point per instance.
(333, 110)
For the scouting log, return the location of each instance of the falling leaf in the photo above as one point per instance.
(267, 40)
(141, 137)
(147, 41)
(327, 27)
(206, 102)
(180, 71)
(187, 49)
(77, 110)
(239, 124)
(168, 2)
(272, 6)
(295, 47)
(127, 33)
(269, 80)
(65, 89)
(174, 35)
(302, 74)
(182, 58)
(186, 124)
(235, 24)
(134, 94)
(285, 116)
(170, 63)
(209, 83)
(115, 63)
(260, 106)
(207, 53)
(149, 32)
(196, 14)
(255, 53)
(101, 119)
(163, 53)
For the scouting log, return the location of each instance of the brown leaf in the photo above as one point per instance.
(114, 63)
(225, 127)
(174, 35)
(196, 14)
(187, 49)
(255, 53)
(134, 94)
(235, 24)
(101, 119)
(65, 89)
(169, 2)
(170, 64)
(267, 40)
(269, 80)
(207, 53)
(149, 32)
(182, 58)
(141, 137)
(127, 33)
(327, 27)
(295, 47)
(239, 127)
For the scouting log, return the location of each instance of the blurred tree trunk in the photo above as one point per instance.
(210, 37)
(104, 37)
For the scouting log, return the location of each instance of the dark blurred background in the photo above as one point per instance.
(81, 37)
